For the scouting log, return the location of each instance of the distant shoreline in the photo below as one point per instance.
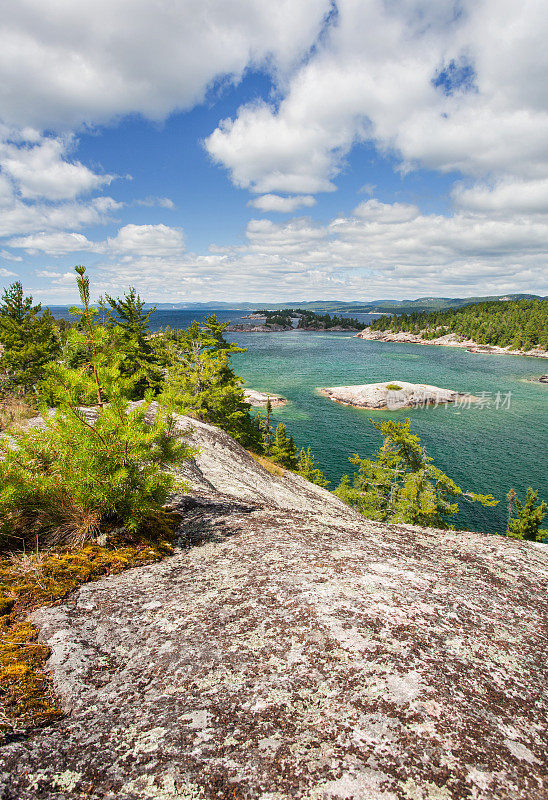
(449, 340)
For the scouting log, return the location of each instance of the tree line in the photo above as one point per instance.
(517, 324)
(310, 319)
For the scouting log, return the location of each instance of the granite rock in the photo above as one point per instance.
(293, 649)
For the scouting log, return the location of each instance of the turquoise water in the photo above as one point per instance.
(486, 450)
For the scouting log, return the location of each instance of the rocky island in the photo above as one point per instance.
(291, 319)
(393, 395)
(293, 650)
(260, 399)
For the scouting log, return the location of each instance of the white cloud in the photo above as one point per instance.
(387, 213)
(21, 218)
(53, 243)
(447, 91)
(147, 240)
(506, 196)
(6, 273)
(274, 202)
(71, 63)
(42, 171)
(163, 202)
(131, 240)
(7, 256)
(47, 273)
(381, 250)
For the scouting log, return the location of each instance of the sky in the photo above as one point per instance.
(251, 150)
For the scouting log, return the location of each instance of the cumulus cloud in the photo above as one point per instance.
(96, 63)
(447, 91)
(274, 202)
(163, 202)
(42, 171)
(53, 243)
(506, 196)
(21, 217)
(6, 273)
(131, 240)
(151, 240)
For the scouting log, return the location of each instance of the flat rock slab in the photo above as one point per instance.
(259, 399)
(385, 395)
(297, 653)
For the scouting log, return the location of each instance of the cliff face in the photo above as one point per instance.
(293, 649)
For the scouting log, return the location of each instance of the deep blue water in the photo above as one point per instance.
(486, 449)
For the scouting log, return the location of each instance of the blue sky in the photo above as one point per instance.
(242, 151)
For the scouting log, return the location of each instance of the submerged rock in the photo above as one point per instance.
(394, 395)
(293, 649)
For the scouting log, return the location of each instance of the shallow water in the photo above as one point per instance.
(485, 449)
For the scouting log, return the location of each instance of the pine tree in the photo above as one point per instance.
(131, 322)
(84, 472)
(308, 468)
(28, 340)
(401, 484)
(267, 436)
(283, 449)
(529, 517)
(200, 381)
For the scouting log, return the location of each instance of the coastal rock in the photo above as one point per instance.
(448, 340)
(293, 650)
(259, 399)
(394, 395)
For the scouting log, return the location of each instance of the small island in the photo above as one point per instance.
(393, 395)
(259, 399)
(289, 319)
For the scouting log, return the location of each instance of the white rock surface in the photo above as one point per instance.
(258, 399)
(378, 395)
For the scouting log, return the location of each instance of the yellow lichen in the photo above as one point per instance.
(30, 581)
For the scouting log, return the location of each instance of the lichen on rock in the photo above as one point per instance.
(291, 648)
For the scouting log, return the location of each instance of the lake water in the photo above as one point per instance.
(484, 449)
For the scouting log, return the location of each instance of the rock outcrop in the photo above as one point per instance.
(448, 340)
(259, 399)
(394, 395)
(293, 649)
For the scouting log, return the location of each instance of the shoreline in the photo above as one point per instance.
(449, 340)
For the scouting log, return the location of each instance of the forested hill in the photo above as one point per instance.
(518, 324)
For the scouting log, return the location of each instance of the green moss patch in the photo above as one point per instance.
(30, 581)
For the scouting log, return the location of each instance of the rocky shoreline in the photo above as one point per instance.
(394, 395)
(449, 340)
